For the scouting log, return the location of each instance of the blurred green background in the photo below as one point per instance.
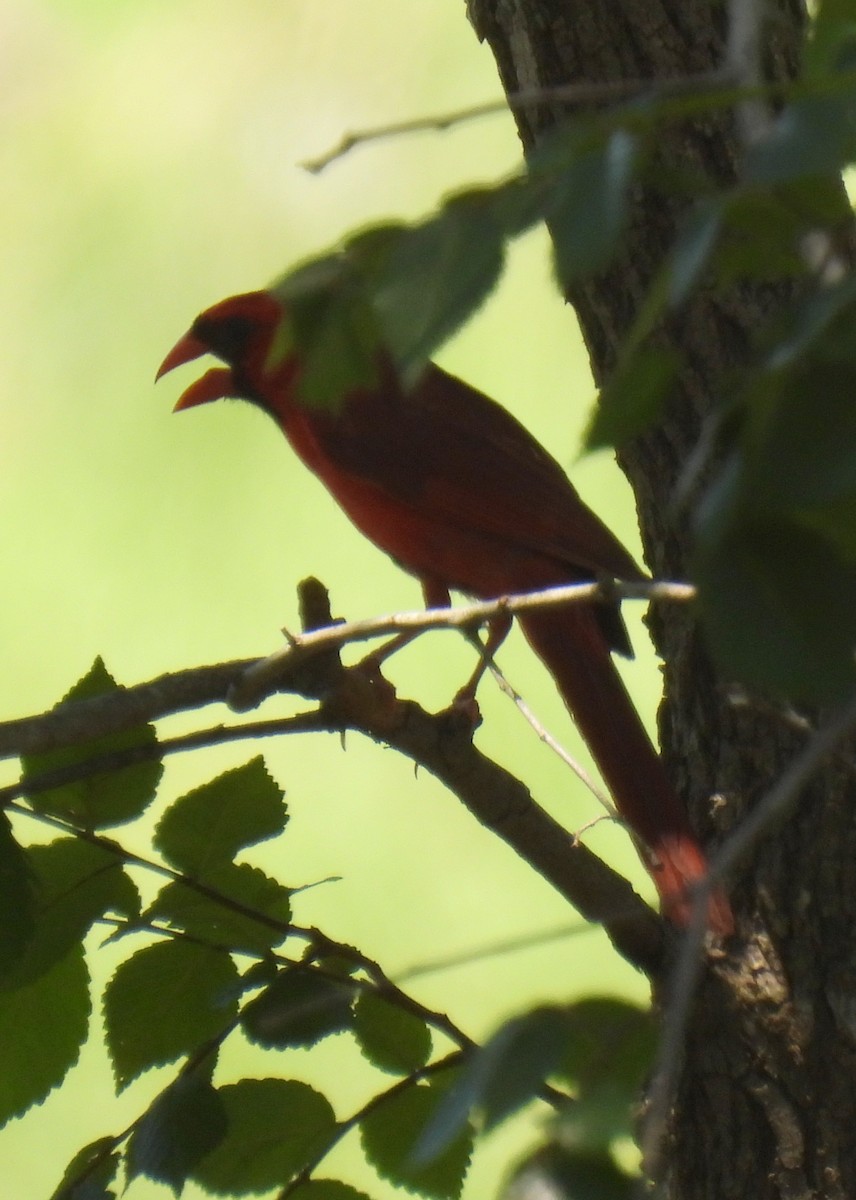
(150, 162)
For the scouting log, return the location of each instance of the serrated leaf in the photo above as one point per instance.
(42, 1027)
(390, 1037)
(186, 1122)
(164, 1002)
(17, 899)
(299, 1008)
(393, 1130)
(211, 920)
(588, 206)
(556, 1173)
(75, 884)
(327, 1189)
(276, 1128)
(500, 1077)
(90, 1172)
(204, 829)
(111, 797)
(433, 277)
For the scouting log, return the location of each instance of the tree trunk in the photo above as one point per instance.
(766, 1097)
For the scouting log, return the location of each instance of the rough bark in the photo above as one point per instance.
(767, 1097)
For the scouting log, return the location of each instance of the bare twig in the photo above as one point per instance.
(80, 721)
(259, 678)
(572, 94)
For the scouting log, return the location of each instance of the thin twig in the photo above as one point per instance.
(572, 93)
(552, 742)
(259, 679)
(80, 721)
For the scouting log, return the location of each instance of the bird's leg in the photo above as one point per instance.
(436, 596)
(497, 631)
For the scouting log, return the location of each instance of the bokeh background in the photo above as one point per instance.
(150, 157)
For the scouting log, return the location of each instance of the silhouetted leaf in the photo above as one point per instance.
(113, 796)
(17, 899)
(88, 1175)
(164, 1002)
(213, 921)
(186, 1122)
(327, 1189)
(207, 827)
(42, 1027)
(75, 883)
(299, 1008)
(276, 1127)
(394, 1129)
(390, 1037)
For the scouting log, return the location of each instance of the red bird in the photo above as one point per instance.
(460, 494)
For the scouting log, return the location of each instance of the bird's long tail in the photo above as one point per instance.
(570, 644)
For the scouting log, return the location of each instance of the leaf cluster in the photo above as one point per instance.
(215, 955)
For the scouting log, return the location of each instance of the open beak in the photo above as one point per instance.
(216, 384)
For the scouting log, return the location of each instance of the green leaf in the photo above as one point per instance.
(186, 1122)
(501, 1077)
(330, 326)
(587, 207)
(556, 1173)
(608, 1038)
(800, 442)
(113, 796)
(762, 236)
(433, 277)
(326, 1189)
(17, 899)
(75, 884)
(634, 397)
(207, 918)
(394, 1129)
(832, 45)
(164, 1002)
(778, 605)
(276, 1128)
(299, 1008)
(204, 829)
(390, 1037)
(90, 1172)
(42, 1027)
(693, 250)
(815, 135)
(823, 319)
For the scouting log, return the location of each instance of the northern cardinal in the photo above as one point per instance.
(459, 493)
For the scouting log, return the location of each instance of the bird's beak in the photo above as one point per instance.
(216, 384)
